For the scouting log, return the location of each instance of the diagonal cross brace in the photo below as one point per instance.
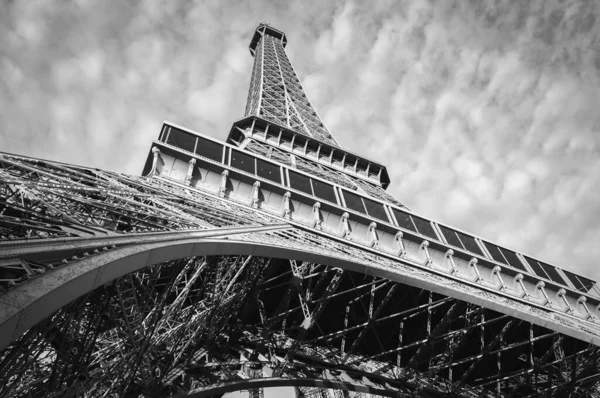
(308, 323)
(492, 344)
(459, 341)
(441, 326)
(372, 317)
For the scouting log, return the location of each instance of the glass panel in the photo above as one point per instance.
(209, 149)
(552, 273)
(575, 280)
(354, 202)
(424, 227)
(324, 191)
(495, 252)
(404, 220)
(512, 259)
(536, 267)
(268, 170)
(451, 236)
(469, 243)
(181, 139)
(588, 284)
(375, 209)
(300, 182)
(242, 161)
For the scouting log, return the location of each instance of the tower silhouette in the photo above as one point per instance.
(276, 258)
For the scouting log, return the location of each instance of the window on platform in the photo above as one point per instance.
(460, 240)
(209, 149)
(582, 284)
(545, 270)
(424, 227)
(300, 182)
(324, 191)
(242, 161)
(512, 259)
(404, 220)
(268, 170)
(182, 140)
(375, 209)
(354, 202)
(312, 186)
(504, 256)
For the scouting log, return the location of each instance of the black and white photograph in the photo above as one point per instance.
(307, 199)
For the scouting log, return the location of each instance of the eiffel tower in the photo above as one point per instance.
(275, 258)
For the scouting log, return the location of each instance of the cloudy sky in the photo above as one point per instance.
(486, 113)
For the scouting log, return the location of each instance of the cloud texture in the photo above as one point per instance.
(486, 113)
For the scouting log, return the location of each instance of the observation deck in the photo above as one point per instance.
(264, 29)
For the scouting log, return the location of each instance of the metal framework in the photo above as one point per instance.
(275, 91)
(201, 278)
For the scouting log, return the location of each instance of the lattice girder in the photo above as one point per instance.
(276, 93)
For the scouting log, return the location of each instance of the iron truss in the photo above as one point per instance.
(276, 93)
(116, 285)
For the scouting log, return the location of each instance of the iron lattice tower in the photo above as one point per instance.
(276, 258)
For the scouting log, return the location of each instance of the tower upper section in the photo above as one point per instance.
(275, 91)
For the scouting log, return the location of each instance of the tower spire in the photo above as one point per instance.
(275, 91)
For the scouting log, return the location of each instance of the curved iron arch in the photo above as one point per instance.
(28, 303)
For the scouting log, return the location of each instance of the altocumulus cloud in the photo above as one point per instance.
(484, 112)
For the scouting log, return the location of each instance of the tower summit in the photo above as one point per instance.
(264, 29)
(274, 258)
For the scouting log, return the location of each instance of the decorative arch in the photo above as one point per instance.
(29, 303)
